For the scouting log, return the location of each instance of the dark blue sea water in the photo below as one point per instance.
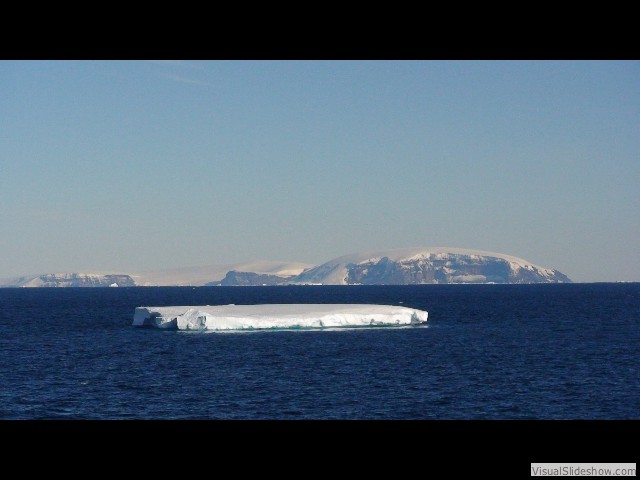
(489, 352)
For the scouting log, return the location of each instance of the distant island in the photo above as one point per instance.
(70, 280)
(414, 266)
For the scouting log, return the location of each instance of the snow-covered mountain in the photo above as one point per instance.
(187, 276)
(386, 267)
(211, 274)
(70, 280)
(428, 265)
(235, 278)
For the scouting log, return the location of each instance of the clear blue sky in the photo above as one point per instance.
(133, 165)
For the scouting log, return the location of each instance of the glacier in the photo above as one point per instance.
(276, 316)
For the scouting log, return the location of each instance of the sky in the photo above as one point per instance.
(128, 166)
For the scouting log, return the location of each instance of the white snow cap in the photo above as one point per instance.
(399, 254)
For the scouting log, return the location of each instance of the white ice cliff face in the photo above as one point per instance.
(276, 316)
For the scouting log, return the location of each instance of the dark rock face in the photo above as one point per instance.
(234, 278)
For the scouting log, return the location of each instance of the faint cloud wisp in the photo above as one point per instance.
(181, 78)
(190, 81)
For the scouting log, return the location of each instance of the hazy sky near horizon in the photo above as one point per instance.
(128, 166)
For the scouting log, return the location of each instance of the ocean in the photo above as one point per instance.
(544, 351)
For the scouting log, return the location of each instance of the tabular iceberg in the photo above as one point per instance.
(276, 316)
